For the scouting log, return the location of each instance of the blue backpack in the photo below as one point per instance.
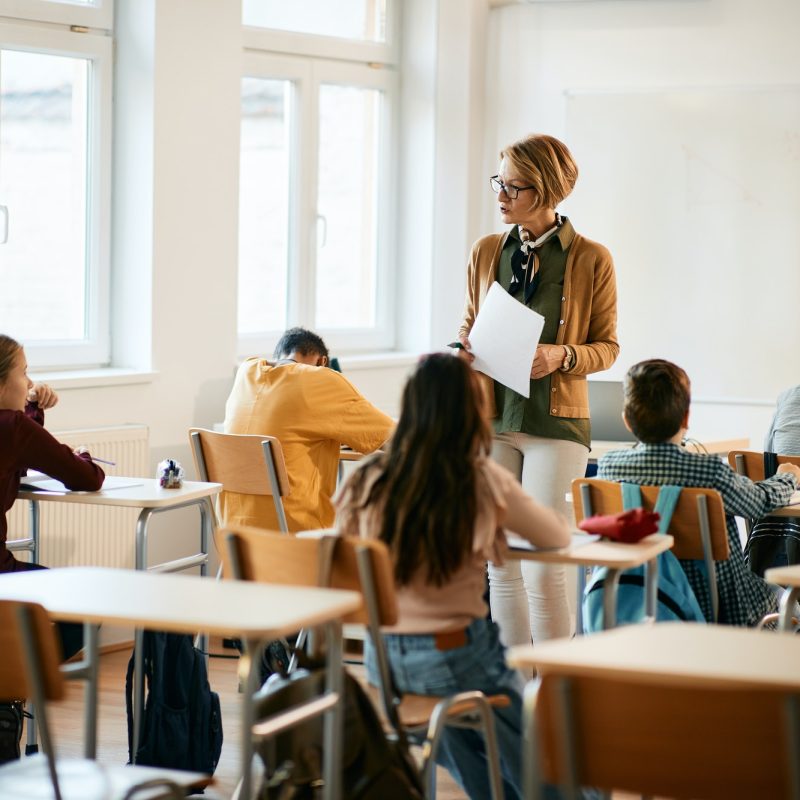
(676, 600)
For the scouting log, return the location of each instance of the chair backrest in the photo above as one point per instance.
(751, 464)
(257, 555)
(605, 497)
(25, 631)
(666, 737)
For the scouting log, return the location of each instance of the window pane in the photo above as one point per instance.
(43, 182)
(348, 19)
(347, 203)
(264, 205)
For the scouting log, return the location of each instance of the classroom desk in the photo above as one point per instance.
(146, 495)
(256, 612)
(617, 557)
(720, 447)
(790, 578)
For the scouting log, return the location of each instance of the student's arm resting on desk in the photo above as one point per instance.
(753, 499)
(37, 449)
(520, 513)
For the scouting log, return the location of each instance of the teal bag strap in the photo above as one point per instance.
(631, 496)
(665, 505)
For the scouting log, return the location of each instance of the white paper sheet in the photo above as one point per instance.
(42, 483)
(516, 542)
(504, 339)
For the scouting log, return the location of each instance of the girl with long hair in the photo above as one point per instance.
(442, 506)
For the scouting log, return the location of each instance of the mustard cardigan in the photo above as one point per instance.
(588, 316)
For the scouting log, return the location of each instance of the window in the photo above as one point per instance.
(54, 180)
(315, 240)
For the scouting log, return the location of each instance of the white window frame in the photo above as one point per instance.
(97, 14)
(307, 74)
(94, 349)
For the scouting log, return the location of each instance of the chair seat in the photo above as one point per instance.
(82, 779)
(415, 709)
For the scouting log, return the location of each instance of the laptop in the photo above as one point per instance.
(605, 408)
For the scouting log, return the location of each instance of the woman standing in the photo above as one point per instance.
(441, 506)
(544, 439)
(25, 444)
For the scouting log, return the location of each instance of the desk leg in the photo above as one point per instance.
(610, 599)
(581, 582)
(138, 691)
(651, 588)
(141, 537)
(788, 599)
(249, 662)
(91, 635)
(334, 719)
(31, 741)
(206, 532)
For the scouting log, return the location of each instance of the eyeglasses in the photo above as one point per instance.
(511, 191)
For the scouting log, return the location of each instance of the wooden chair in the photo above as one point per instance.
(698, 522)
(666, 736)
(364, 565)
(242, 463)
(29, 668)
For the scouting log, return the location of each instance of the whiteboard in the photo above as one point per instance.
(697, 195)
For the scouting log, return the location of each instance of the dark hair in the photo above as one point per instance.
(8, 353)
(657, 397)
(426, 488)
(300, 340)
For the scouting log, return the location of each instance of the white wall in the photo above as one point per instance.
(541, 54)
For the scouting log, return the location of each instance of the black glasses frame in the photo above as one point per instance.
(512, 192)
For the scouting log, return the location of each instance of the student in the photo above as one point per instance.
(24, 445)
(312, 411)
(656, 409)
(784, 431)
(441, 504)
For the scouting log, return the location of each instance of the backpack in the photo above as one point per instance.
(773, 541)
(11, 715)
(375, 766)
(182, 724)
(676, 600)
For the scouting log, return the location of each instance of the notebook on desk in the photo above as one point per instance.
(605, 409)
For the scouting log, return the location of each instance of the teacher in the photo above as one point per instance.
(543, 439)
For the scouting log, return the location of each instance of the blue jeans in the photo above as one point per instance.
(419, 668)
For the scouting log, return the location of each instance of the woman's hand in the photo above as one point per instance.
(466, 352)
(42, 395)
(548, 358)
(792, 469)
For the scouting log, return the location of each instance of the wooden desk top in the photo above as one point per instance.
(600, 553)
(701, 654)
(791, 509)
(784, 576)
(719, 447)
(132, 492)
(178, 603)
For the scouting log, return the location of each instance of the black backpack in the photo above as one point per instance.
(182, 725)
(773, 541)
(11, 715)
(375, 766)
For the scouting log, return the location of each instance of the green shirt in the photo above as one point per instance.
(532, 415)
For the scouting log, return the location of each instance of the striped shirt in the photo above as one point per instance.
(744, 598)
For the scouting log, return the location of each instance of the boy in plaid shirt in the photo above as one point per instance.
(656, 410)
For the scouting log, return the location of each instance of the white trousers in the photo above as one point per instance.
(529, 599)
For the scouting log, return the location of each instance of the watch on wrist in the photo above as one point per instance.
(566, 364)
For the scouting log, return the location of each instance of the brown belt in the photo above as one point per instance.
(450, 640)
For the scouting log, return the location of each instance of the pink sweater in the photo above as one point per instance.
(502, 504)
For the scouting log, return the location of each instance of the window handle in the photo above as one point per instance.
(322, 222)
(3, 224)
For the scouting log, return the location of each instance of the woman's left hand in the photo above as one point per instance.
(548, 358)
(43, 396)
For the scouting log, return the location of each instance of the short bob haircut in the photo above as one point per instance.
(657, 398)
(546, 164)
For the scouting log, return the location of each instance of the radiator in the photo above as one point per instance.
(76, 534)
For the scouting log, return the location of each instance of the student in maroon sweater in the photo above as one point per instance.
(25, 444)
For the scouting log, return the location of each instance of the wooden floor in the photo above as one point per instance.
(67, 718)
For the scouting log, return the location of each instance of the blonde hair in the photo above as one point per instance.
(8, 353)
(544, 163)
